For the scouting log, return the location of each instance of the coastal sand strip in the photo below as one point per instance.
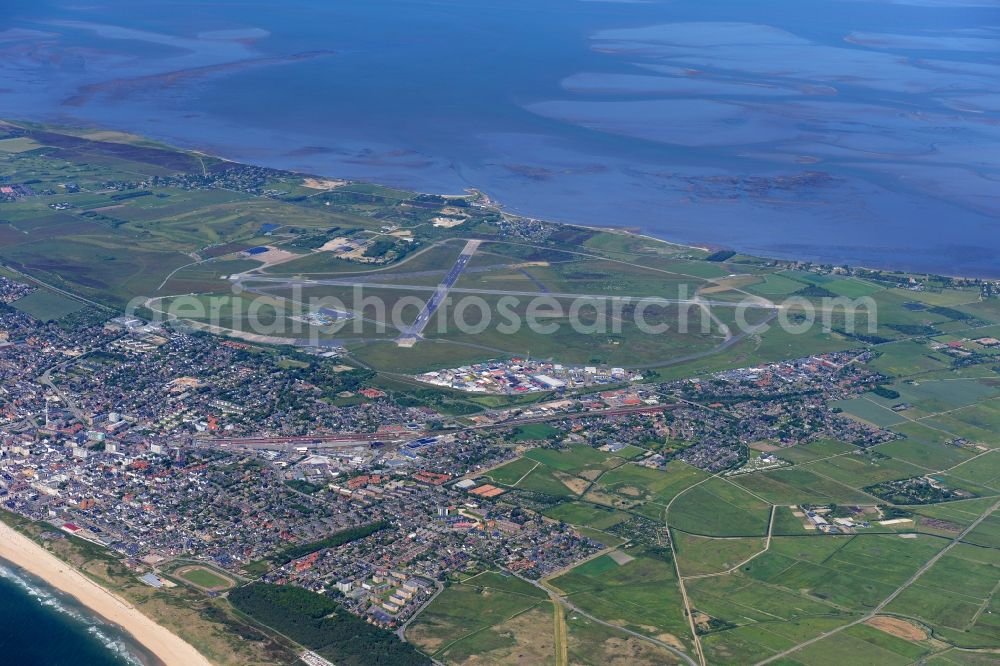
(25, 553)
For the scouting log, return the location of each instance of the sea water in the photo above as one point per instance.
(861, 131)
(41, 626)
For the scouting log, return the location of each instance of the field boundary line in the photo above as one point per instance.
(767, 547)
(892, 597)
(537, 463)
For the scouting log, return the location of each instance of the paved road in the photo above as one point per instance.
(46, 379)
(558, 416)
(558, 598)
(724, 345)
(401, 632)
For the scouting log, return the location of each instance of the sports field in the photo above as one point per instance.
(204, 578)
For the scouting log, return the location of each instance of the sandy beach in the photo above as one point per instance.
(22, 551)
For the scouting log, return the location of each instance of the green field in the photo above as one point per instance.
(983, 469)
(204, 578)
(978, 423)
(939, 392)
(777, 284)
(908, 358)
(534, 431)
(863, 469)
(46, 305)
(563, 473)
(864, 644)
(643, 490)
(578, 460)
(822, 448)
(547, 481)
(744, 645)
(853, 572)
(956, 596)
(746, 598)
(872, 412)
(801, 485)
(485, 614)
(719, 508)
(586, 515)
(757, 580)
(800, 577)
(959, 514)
(986, 534)
(17, 145)
(924, 447)
(113, 245)
(594, 644)
(641, 595)
(510, 473)
(698, 555)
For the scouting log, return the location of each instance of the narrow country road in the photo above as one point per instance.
(888, 600)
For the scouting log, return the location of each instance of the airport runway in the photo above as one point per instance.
(653, 300)
(412, 332)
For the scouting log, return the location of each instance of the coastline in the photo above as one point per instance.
(170, 649)
(176, 143)
(627, 231)
(709, 247)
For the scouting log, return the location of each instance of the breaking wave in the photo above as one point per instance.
(49, 600)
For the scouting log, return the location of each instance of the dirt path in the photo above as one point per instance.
(561, 631)
(767, 547)
(888, 600)
(567, 604)
(688, 610)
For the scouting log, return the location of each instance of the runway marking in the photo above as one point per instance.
(412, 333)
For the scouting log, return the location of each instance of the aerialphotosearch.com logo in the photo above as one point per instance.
(365, 311)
